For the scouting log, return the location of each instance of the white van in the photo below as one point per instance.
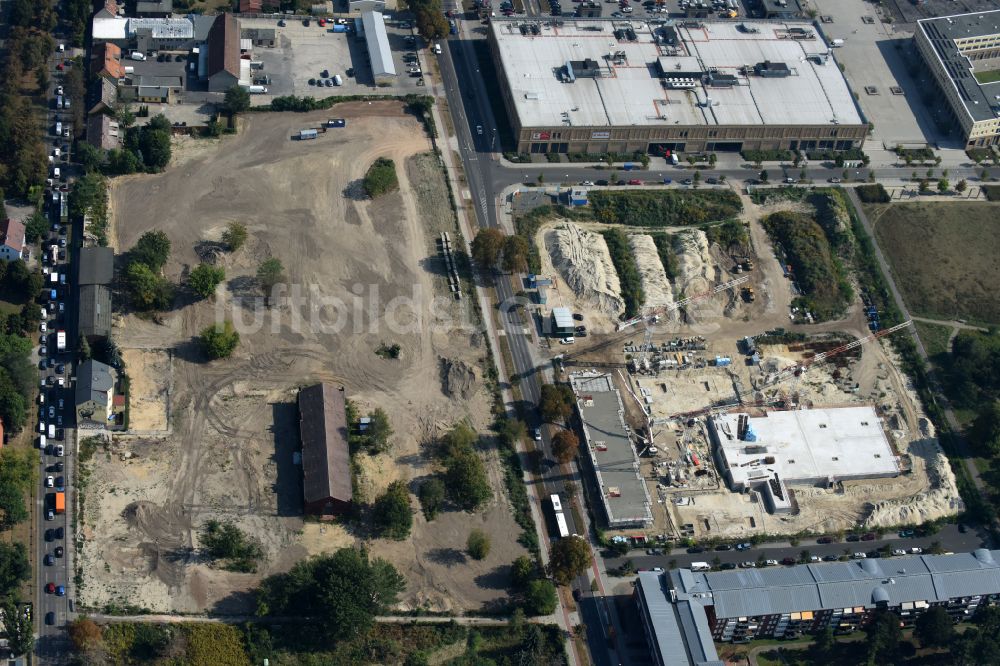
(41, 424)
(55, 172)
(58, 128)
(41, 442)
(137, 55)
(700, 566)
(52, 431)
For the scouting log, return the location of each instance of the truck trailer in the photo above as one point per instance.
(61, 340)
(307, 134)
(60, 503)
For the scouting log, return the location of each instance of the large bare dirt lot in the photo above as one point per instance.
(233, 423)
(941, 257)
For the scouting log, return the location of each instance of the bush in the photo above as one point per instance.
(992, 192)
(556, 402)
(777, 155)
(391, 513)
(152, 249)
(540, 598)
(807, 249)
(478, 544)
(465, 476)
(872, 193)
(431, 497)
(219, 341)
(852, 154)
(628, 271)
(225, 541)
(380, 178)
(204, 278)
(661, 208)
(565, 445)
(668, 257)
(235, 236)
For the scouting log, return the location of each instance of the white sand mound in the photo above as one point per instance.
(940, 501)
(654, 279)
(694, 263)
(583, 261)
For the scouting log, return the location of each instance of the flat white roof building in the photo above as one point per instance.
(378, 45)
(727, 77)
(807, 446)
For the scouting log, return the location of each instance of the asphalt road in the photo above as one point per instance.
(949, 538)
(470, 111)
(52, 611)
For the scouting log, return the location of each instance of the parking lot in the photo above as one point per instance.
(304, 52)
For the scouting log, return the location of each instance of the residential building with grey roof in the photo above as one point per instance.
(956, 49)
(781, 602)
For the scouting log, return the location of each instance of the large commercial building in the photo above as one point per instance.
(955, 49)
(777, 602)
(607, 437)
(607, 85)
(800, 447)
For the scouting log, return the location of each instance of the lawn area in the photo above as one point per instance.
(988, 76)
(943, 257)
(934, 336)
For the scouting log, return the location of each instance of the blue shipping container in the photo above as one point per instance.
(628, 166)
(339, 28)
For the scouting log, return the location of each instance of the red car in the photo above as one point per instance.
(322, 22)
(51, 588)
(635, 181)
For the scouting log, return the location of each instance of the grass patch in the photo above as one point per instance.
(762, 196)
(628, 271)
(992, 192)
(988, 76)
(668, 254)
(804, 244)
(663, 208)
(935, 338)
(939, 258)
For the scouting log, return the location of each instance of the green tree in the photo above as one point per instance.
(522, 571)
(152, 249)
(515, 254)
(943, 185)
(147, 290)
(154, 143)
(343, 592)
(556, 403)
(219, 341)
(478, 544)
(487, 247)
(466, 481)
(237, 99)
(431, 497)
(18, 626)
(884, 635)
(540, 597)
(35, 226)
(511, 431)
(763, 176)
(934, 628)
(85, 634)
(89, 156)
(235, 236)
(961, 185)
(380, 178)
(12, 508)
(569, 558)
(204, 278)
(378, 433)
(391, 512)
(15, 568)
(13, 411)
(269, 274)
(824, 648)
(430, 20)
(225, 541)
(924, 187)
(696, 177)
(565, 445)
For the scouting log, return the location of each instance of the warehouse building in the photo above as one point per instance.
(377, 41)
(624, 495)
(621, 86)
(97, 265)
(956, 50)
(783, 602)
(326, 456)
(800, 447)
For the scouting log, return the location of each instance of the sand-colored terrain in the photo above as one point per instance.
(360, 273)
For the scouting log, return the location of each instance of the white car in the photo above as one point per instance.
(60, 451)
(859, 556)
(59, 90)
(43, 327)
(479, 129)
(61, 381)
(567, 341)
(898, 551)
(770, 563)
(50, 482)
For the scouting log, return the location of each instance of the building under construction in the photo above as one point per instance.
(800, 447)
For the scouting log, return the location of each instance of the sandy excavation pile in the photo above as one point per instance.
(655, 285)
(941, 500)
(696, 272)
(583, 261)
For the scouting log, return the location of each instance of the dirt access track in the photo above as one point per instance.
(232, 424)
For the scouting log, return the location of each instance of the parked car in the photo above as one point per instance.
(825, 539)
(538, 434)
(859, 556)
(868, 537)
(830, 558)
(635, 181)
(49, 560)
(788, 561)
(727, 566)
(723, 546)
(49, 482)
(770, 563)
(50, 588)
(748, 565)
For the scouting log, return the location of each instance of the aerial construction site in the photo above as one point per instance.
(723, 410)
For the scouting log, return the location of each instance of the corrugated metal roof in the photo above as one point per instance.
(563, 317)
(842, 584)
(378, 44)
(681, 631)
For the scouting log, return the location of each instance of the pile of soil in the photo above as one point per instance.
(583, 261)
(654, 278)
(458, 378)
